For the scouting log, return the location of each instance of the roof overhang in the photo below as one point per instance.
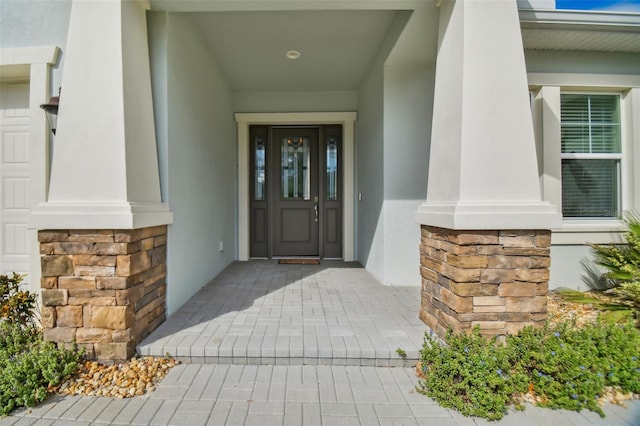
(580, 30)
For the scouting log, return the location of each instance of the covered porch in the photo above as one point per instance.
(165, 183)
(262, 312)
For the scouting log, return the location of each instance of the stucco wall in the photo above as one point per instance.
(566, 270)
(158, 33)
(370, 173)
(199, 138)
(36, 23)
(408, 102)
(394, 128)
(295, 101)
(581, 62)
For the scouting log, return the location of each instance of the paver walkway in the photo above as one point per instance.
(334, 318)
(265, 395)
(260, 312)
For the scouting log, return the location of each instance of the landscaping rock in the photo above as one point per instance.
(124, 380)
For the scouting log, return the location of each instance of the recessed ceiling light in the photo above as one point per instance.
(293, 54)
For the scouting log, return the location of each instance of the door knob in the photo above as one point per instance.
(315, 207)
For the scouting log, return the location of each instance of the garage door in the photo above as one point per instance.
(14, 175)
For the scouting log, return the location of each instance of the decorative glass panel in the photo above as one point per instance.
(260, 169)
(295, 168)
(332, 169)
(590, 188)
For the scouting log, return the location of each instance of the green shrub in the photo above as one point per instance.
(629, 293)
(29, 366)
(468, 373)
(16, 305)
(565, 367)
(622, 261)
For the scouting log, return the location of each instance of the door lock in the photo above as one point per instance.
(315, 207)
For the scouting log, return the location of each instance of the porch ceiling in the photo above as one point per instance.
(336, 47)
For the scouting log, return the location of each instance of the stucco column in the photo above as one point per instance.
(483, 172)
(103, 234)
(483, 177)
(104, 171)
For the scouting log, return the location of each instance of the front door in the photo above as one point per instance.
(294, 171)
(295, 210)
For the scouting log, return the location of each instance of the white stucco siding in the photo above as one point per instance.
(142, 186)
(157, 34)
(36, 23)
(488, 163)
(201, 165)
(568, 62)
(402, 243)
(566, 269)
(394, 126)
(100, 144)
(408, 107)
(255, 102)
(370, 172)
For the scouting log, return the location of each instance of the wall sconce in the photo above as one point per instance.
(51, 109)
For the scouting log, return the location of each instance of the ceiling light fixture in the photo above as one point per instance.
(293, 54)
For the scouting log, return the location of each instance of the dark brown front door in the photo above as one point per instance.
(294, 181)
(295, 204)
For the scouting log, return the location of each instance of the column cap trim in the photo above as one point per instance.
(99, 215)
(483, 216)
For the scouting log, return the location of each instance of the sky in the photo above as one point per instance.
(610, 5)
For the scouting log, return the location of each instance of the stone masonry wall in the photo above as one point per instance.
(104, 289)
(497, 280)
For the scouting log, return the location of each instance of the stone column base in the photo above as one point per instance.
(496, 280)
(103, 289)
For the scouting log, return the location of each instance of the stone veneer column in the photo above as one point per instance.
(104, 289)
(485, 239)
(497, 280)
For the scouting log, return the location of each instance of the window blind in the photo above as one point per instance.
(590, 123)
(591, 153)
(590, 188)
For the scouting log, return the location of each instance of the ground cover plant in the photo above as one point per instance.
(29, 366)
(558, 366)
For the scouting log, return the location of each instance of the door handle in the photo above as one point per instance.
(315, 207)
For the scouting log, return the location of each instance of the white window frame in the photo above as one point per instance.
(546, 89)
(599, 156)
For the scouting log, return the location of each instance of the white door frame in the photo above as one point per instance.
(347, 120)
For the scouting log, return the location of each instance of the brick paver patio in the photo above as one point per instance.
(261, 312)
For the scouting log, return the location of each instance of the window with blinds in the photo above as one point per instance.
(591, 154)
